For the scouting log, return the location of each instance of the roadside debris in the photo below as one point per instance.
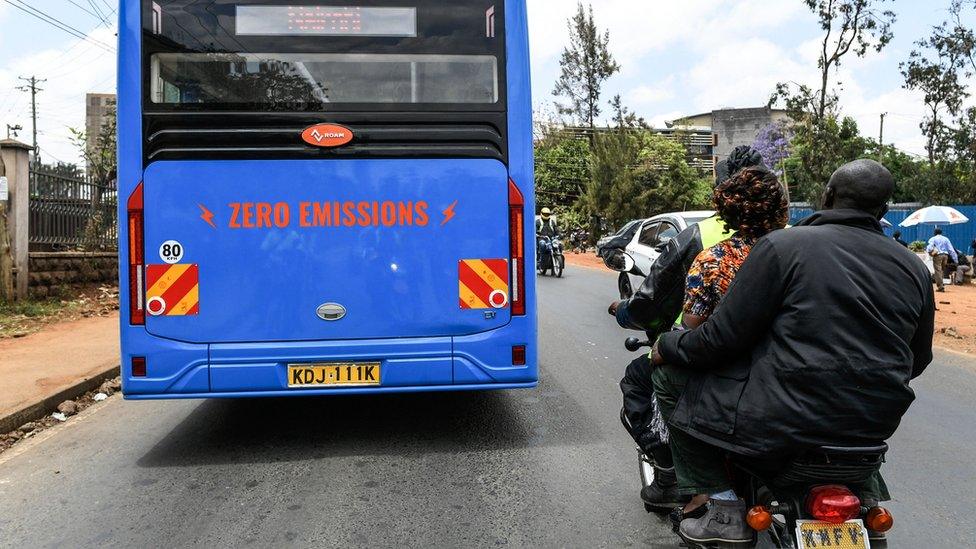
(68, 408)
(64, 411)
(30, 316)
(950, 331)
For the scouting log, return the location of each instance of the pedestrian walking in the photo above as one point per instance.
(941, 250)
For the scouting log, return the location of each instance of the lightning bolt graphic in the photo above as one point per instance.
(207, 215)
(449, 213)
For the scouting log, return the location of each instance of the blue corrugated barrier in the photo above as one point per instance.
(961, 235)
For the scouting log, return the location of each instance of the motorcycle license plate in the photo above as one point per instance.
(347, 374)
(816, 534)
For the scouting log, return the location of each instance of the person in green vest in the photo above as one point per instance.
(656, 308)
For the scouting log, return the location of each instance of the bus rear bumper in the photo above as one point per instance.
(230, 370)
(323, 392)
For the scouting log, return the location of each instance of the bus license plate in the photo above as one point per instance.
(310, 375)
(848, 535)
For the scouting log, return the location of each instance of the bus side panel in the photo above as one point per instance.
(134, 338)
(523, 331)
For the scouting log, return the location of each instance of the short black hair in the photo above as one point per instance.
(938, 231)
(862, 185)
(897, 234)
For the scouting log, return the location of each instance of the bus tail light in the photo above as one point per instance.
(516, 238)
(138, 366)
(518, 355)
(137, 312)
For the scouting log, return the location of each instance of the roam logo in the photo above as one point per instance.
(327, 135)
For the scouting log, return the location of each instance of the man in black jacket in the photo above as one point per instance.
(814, 344)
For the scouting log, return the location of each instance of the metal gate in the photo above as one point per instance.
(71, 212)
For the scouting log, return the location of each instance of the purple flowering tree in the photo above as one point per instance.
(773, 143)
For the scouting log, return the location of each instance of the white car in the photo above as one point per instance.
(654, 233)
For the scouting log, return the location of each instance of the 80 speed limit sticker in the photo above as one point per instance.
(171, 252)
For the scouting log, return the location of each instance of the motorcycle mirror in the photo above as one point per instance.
(619, 260)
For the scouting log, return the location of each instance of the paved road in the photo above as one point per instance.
(549, 467)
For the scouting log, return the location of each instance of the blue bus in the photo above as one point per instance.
(326, 198)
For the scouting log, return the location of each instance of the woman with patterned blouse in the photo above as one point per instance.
(753, 203)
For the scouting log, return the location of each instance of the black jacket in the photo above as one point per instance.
(656, 305)
(815, 343)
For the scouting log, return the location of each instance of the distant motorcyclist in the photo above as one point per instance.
(655, 308)
(545, 231)
(546, 224)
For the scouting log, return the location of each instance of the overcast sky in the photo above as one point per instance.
(678, 57)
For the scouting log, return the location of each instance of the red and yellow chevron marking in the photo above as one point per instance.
(173, 290)
(483, 283)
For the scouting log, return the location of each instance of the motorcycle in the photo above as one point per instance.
(550, 257)
(811, 502)
(578, 240)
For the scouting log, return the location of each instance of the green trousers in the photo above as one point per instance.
(701, 467)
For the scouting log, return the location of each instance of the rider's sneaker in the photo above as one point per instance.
(663, 492)
(724, 522)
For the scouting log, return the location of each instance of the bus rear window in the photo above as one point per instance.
(323, 78)
(276, 55)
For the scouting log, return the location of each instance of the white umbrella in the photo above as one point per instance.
(935, 215)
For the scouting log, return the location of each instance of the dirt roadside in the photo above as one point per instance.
(955, 319)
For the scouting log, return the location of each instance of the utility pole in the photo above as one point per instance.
(33, 89)
(881, 140)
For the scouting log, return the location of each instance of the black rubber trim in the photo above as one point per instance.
(263, 135)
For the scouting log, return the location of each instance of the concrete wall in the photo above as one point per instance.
(740, 126)
(52, 272)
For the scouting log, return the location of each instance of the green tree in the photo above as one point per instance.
(637, 173)
(938, 68)
(100, 156)
(586, 64)
(562, 169)
(818, 150)
(822, 134)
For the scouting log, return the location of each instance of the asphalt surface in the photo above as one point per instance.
(544, 467)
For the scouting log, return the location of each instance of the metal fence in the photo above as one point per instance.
(70, 212)
(961, 235)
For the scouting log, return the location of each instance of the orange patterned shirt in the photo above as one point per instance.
(712, 273)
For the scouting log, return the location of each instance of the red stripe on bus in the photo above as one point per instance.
(499, 267)
(181, 287)
(474, 282)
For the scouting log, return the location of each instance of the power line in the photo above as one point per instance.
(86, 10)
(38, 14)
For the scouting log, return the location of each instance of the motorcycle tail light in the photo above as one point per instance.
(833, 503)
(879, 519)
(516, 239)
(759, 518)
(137, 312)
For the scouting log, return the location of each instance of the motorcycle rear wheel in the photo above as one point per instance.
(559, 265)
